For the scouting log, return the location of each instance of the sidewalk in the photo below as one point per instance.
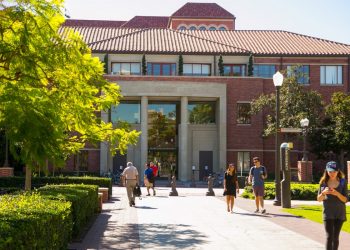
(195, 221)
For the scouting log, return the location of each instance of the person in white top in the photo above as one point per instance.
(130, 179)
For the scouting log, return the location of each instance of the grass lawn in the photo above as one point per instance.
(314, 213)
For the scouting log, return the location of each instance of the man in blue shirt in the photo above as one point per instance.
(149, 179)
(257, 175)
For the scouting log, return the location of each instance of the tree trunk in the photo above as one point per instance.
(342, 160)
(28, 181)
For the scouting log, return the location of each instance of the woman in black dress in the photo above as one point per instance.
(231, 187)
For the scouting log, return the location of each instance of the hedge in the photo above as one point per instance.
(299, 191)
(84, 199)
(29, 221)
(42, 181)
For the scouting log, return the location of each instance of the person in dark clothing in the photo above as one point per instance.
(333, 193)
(231, 187)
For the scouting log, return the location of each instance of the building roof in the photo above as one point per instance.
(93, 23)
(168, 41)
(147, 22)
(202, 10)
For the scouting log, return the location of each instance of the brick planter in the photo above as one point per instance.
(5, 172)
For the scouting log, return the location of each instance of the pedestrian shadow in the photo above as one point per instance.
(251, 214)
(285, 215)
(145, 207)
(170, 236)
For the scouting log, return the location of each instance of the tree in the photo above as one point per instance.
(296, 103)
(52, 89)
(336, 130)
(144, 65)
(250, 66)
(181, 65)
(221, 66)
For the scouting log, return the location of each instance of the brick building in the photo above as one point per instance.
(199, 118)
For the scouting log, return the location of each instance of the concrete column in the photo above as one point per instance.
(104, 150)
(144, 136)
(221, 123)
(184, 172)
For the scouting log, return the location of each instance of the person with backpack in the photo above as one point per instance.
(130, 179)
(155, 174)
(149, 179)
(333, 193)
(257, 175)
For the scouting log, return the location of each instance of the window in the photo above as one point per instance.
(212, 28)
(222, 28)
(264, 70)
(126, 68)
(302, 73)
(161, 69)
(202, 28)
(234, 70)
(243, 162)
(193, 28)
(128, 111)
(201, 112)
(243, 113)
(182, 28)
(81, 161)
(331, 74)
(196, 69)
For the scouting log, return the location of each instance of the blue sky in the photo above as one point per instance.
(319, 18)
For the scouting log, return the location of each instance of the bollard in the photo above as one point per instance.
(210, 186)
(173, 187)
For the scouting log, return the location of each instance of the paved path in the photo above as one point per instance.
(195, 221)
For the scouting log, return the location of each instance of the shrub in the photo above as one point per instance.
(29, 221)
(84, 199)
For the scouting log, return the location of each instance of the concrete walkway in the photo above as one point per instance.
(195, 221)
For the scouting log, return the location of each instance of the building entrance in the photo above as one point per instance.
(166, 160)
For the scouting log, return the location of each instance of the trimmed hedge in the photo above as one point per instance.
(298, 191)
(29, 221)
(42, 181)
(84, 199)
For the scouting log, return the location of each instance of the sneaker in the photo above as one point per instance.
(130, 204)
(263, 211)
(154, 193)
(148, 195)
(133, 203)
(256, 211)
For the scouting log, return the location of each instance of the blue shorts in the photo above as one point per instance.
(259, 191)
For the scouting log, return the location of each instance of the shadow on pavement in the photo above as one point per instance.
(170, 236)
(145, 207)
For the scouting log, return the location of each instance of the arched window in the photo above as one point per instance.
(222, 28)
(182, 28)
(193, 28)
(202, 28)
(212, 28)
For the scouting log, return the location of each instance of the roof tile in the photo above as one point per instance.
(204, 10)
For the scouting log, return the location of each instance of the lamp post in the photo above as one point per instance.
(304, 123)
(193, 184)
(277, 81)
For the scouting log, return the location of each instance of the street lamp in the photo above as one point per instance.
(277, 81)
(193, 184)
(304, 123)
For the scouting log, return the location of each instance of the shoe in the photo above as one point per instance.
(256, 211)
(148, 195)
(154, 193)
(130, 204)
(263, 211)
(231, 212)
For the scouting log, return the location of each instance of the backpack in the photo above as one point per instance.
(137, 191)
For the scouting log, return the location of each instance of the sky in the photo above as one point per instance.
(327, 19)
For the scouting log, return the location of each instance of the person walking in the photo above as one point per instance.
(231, 187)
(130, 179)
(333, 193)
(257, 175)
(149, 179)
(155, 174)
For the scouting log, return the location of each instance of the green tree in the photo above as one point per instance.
(221, 66)
(144, 65)
(181, 65)
(52, 89)
(337, 138)
(250, 66)
(296, 103)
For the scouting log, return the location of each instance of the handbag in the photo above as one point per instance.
(137, 191)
